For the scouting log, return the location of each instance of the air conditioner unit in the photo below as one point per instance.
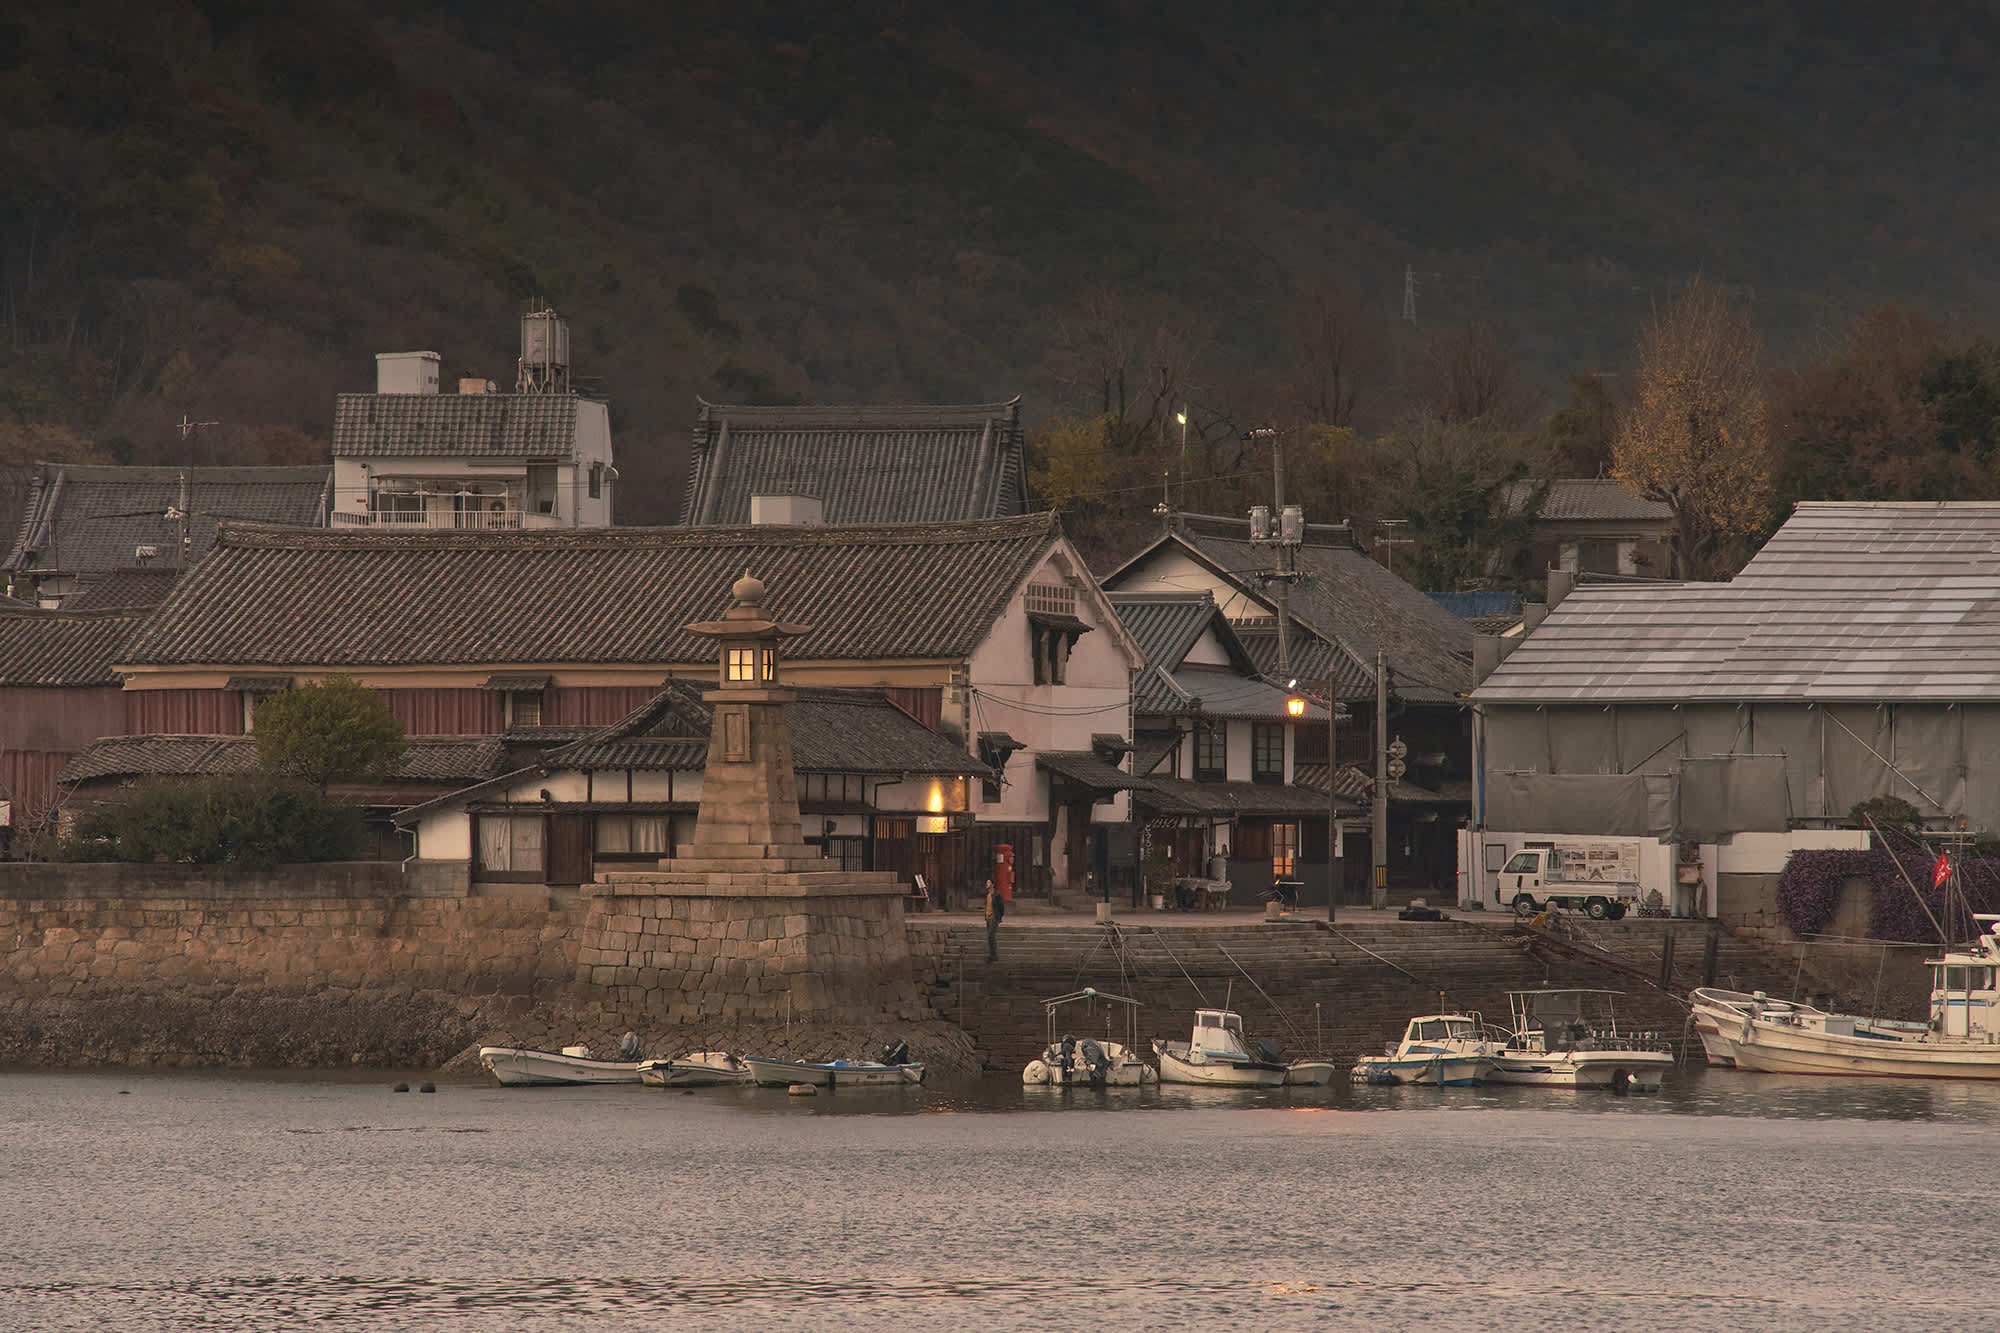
(145, 552)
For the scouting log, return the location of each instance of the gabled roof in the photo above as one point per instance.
(832, 730)
(60, 648)
(454, 425)
(921, 464)
(1345, 597)
(428, 758)
(1169, 624)
(94, 519)
(1847, 602)
(274, 597)
(1587, 499)
(124, 590)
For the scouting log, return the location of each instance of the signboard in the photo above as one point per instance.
(1605, 862)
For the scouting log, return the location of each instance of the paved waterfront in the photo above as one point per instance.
(1728, 1202)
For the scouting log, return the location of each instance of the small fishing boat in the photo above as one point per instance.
(1215, 1054)
(518, 1067)
(1961, 1040)
(1571, 1039)
(697, 1069)
(1090, 1062)
(1437, 1050)
(894, 1069)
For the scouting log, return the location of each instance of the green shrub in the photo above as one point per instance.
(254, 821)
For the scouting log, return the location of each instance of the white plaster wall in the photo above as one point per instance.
(1172, 570)
(1207, 651)
(1096, 696)
(593, 445)
(1766, 853)
(1237, 748)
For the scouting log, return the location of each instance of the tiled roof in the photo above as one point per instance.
(1346, 598)
(832, 730)
(1847, 602)
(919, 464)
(1222, 693)
(1588, 498)
(1479, 604)
(1149, 751)
(1085, 769)
(1178, 796)
(453, 425)
(55, 648)
(428, 758)
(124, 590)
(90, 519)
(1168, 625)
(334, 599)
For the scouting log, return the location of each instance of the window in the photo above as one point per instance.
(1524, 863)
(743, 664)
(1267, 752)
(634, 835)
(835, 788)
(1211, 752)
(597, 481)
(850, 852)
(1052, 648)
(1597, 557)
(397, 508)
(524, 708)
(1284, 850)
(511, 845)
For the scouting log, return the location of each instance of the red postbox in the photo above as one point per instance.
(1003, 870)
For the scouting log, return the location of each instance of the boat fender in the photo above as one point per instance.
(1036, 1072)
(1621, 1082)
(629, 1048)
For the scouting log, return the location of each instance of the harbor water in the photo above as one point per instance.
(1728, 1201)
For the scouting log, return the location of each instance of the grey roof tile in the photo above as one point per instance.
(1588, 498)
(339, 599)
(61, 648)
(94, 519)
(451, 425)
(920, 464)
(428, 758)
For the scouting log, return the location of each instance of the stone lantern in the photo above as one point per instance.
(749, 796)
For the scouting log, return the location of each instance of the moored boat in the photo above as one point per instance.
(1215, 1054)
(1571, 1039)
(1961, 1040)
(697, 1069)
(518, 1067)
(1090, 1062)
(894, 1069)
(1436, 1050)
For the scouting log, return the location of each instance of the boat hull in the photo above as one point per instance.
(1770, 1050)
(1175, 1068)
(704, 1069)
(1643, 1071)
(1118, 1069)
(835, 1074)
(516, 1067)
(1435, 1070)
(1309, 1073)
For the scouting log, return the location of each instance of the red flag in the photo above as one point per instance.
(1942, 869)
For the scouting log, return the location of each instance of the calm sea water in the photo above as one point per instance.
(1730, 1201)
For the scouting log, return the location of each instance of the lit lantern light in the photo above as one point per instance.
(1295, 706)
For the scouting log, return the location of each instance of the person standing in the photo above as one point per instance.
(996, 911)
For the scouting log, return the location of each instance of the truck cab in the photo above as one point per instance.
(1527, 877)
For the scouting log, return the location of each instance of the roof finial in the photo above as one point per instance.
(748, 590)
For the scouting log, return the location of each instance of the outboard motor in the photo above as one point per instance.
(1269, 1051)
(896, 1053)
(629, 1048)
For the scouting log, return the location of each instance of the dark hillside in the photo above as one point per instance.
(223, 209)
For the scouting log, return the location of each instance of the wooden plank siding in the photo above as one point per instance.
(593, 705)
(446, 712)
(925, 703)
(183, 713)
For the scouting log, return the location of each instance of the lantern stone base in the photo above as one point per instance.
(743, 936)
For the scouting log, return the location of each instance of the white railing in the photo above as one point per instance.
(447, 520)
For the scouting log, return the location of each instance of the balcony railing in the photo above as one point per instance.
(443, 519)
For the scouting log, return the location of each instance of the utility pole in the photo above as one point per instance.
(181, 511)
(1286, 534)
(1389, 541)
(1336, 863)
(1379, 842)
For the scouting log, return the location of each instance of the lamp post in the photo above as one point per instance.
(1335, 863)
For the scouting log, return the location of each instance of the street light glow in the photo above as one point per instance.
(1295, 706)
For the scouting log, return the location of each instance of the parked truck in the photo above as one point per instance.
(1602, 877)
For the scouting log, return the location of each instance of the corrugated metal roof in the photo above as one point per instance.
(1847, 602)
(917, 464)
(94, 519)
(453, 425)
(61, 648)
(280, 597)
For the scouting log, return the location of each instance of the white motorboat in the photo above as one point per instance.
(1571, 1039)
(1090, 1062)
(517, 1067)
(1437, 1050)
(1310, 1073)
(697, 1069)
(894, 1069)
(1216, 1054)
(1961, 1040)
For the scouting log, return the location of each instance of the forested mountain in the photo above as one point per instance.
(222, 208)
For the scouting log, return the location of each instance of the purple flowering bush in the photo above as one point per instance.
(1809, 890)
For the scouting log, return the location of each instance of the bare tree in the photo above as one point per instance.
(1337, 349)
(1696, 438)
(1471, 374)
